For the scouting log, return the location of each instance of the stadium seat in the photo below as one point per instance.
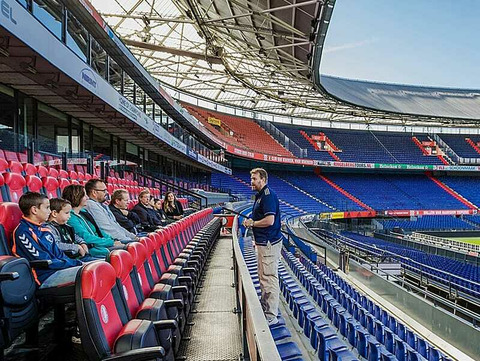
(33, 183)
(138, 306)
(15, 167)
(105, 328)
(50, 184)
(18, 305)
(14, 186)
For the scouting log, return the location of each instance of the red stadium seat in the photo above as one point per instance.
(103, 318)
(62, 183)
(62, 173)
(51, 187)
(42, 171)
(10, 216)
(3, 165)
(2, 189)
(15, 167)
(52, 172)
(72, 174)
(15, 186)
(34, 184)
(29, 169)
(22, 157)
(80, 176)
(10, 156)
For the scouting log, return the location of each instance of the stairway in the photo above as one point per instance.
(308, 194)
(473, 145)
(344, 192)
(451, 192)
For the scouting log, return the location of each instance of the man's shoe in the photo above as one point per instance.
(272, 322)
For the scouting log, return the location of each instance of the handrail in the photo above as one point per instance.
(442, 242)
(258, 342)
(172, 186)
(417, 266)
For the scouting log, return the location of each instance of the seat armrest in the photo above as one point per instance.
(165, 324)
(147, 353)
(41, 264)
(8, 276)
(173, 303)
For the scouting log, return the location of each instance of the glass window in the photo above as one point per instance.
(50, 124)
(77, 37)
(158, 115)
(7, 120)
(139, 98)
(25, 117)
(115, 75)
(24, 3)
(128, 87)
(75, 136)
(101, 144)
(87, 139)
(149, 107)
(50, 14)
(98, 58)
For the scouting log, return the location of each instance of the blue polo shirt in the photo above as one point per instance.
(266, 203)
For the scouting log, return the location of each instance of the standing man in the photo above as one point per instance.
(266, 226)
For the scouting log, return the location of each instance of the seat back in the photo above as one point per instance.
(34, 184)
(10, 216)
(3, 195)
(15, 167)
(50, 185)
(62, 184)
(15, 186)
(127, 278)
(139, 255)
(3, 165)
(29, 169)
(152, 258)
(18, 309)
(42, 171)
(101, 314)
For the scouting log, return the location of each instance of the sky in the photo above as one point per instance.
(414, 42)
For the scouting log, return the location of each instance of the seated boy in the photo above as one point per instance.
(65, 237)
(33, 241)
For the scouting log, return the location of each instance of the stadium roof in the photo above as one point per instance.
(242, 53)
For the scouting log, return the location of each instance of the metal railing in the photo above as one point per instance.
(285, 141)
(442, 242)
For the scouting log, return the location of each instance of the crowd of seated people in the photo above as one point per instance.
(80, 227)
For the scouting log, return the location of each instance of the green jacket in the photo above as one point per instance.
(98, 246)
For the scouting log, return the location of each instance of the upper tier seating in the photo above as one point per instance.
(460, 146)
(245, 133)
(468, 187)
(428, 223)
(318, 188)
(385, 191)
(362, 146)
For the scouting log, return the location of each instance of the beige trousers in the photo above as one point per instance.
(267, 259)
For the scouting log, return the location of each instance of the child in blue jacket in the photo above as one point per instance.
(33, 241)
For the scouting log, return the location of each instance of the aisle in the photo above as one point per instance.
(215, 334)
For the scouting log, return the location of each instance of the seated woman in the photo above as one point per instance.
(172, 207)
(84, 225)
